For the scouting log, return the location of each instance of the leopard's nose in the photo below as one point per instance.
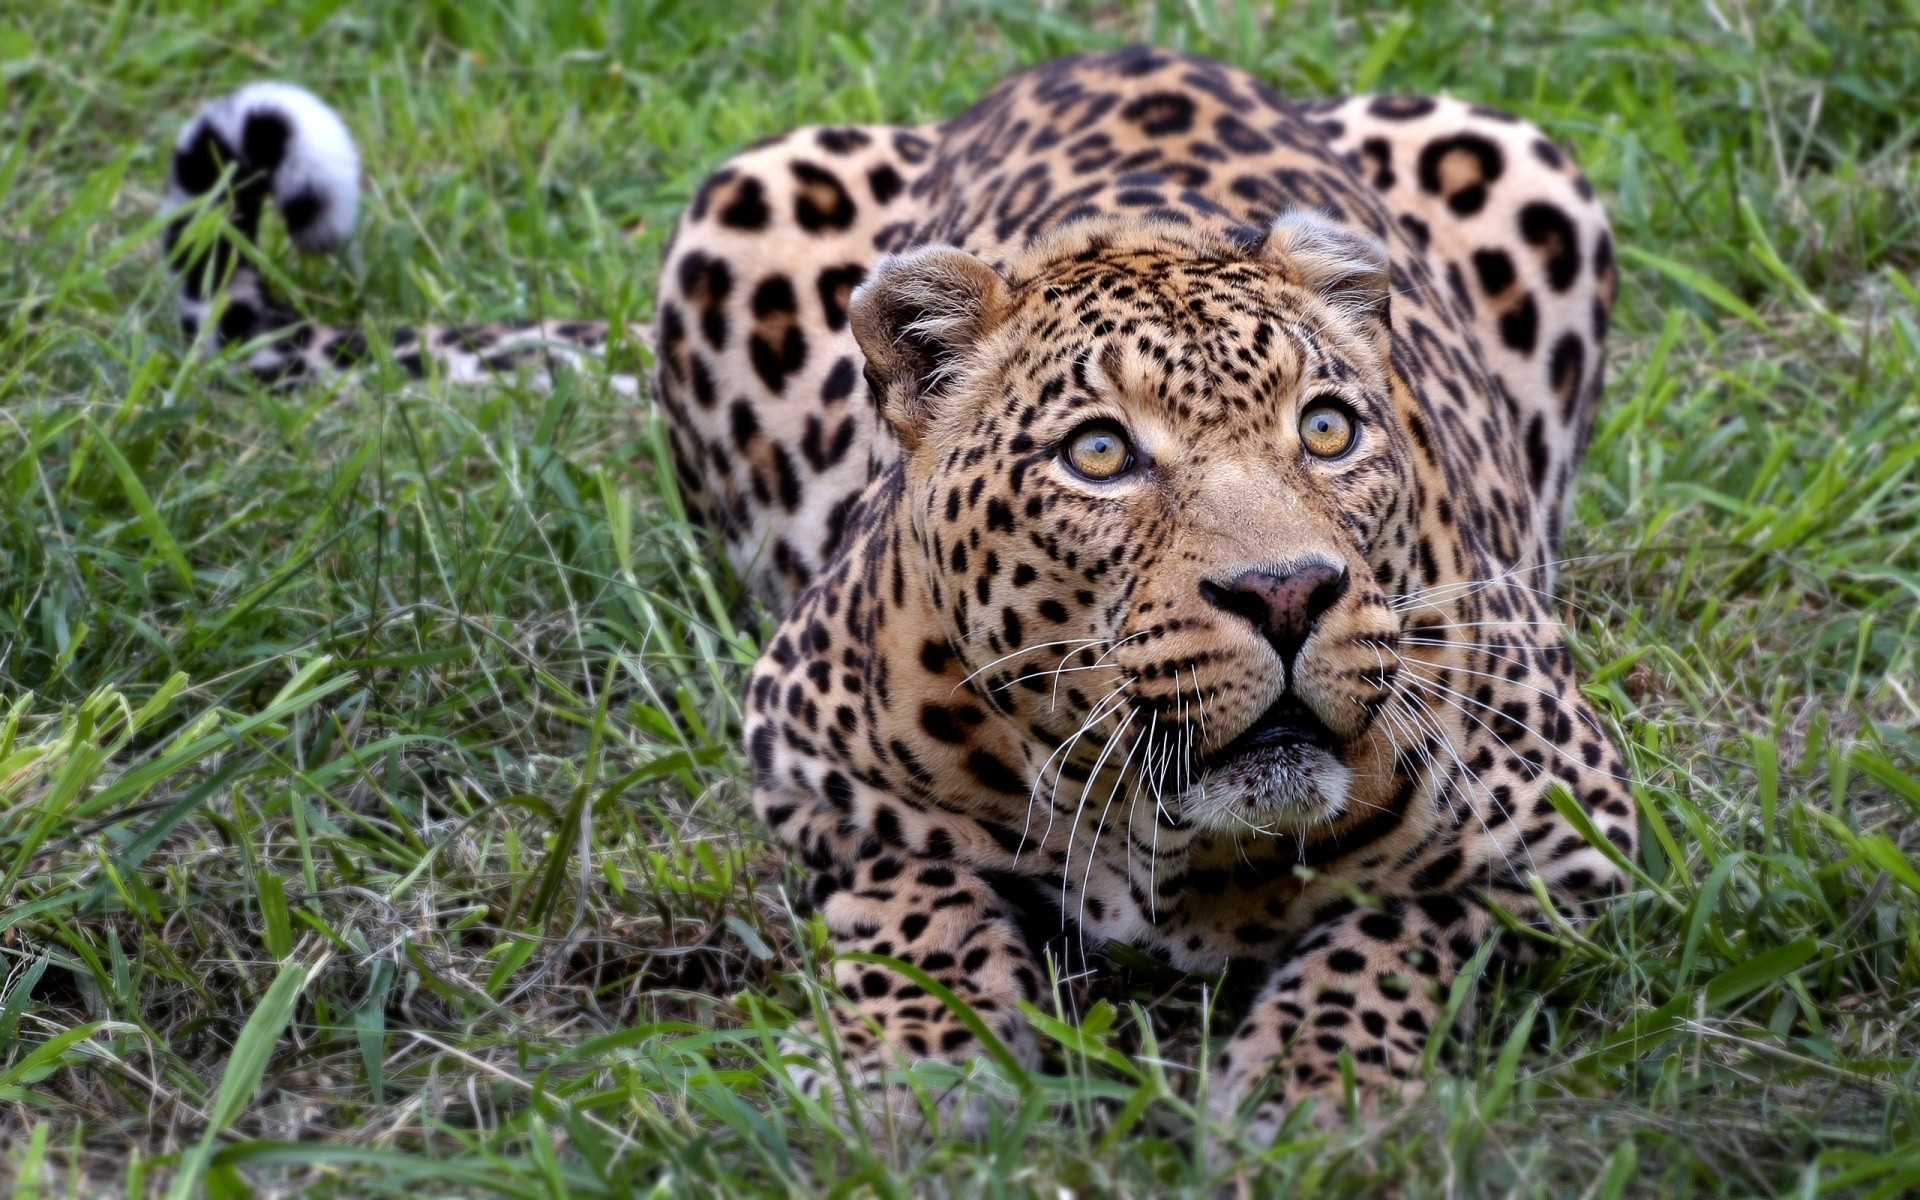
(1283, 606)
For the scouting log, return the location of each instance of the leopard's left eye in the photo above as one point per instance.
(1098, 452)
(1327, 429)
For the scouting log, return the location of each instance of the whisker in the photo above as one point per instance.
(1478, 647)
(1435, 779)
(1556, 697)
(1098, 713)
(1123, 641)
(1549, 565)
(1093, 847)
(1036, 647)
(1497, 623)
(1430, 723)
(1521, 725)
(1073, 830)
(1444, 594)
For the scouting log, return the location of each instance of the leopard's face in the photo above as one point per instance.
(1153, 499)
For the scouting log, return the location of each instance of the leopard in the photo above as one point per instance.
(1157, 486)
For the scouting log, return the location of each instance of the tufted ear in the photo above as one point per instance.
(1344, 265)
(915, 318)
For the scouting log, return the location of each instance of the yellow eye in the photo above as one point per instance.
(1326, 429)
(1098, 451)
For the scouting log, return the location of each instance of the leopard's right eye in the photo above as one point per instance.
(1327, 428)
(1098, 452)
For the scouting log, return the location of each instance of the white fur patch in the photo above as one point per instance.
(1282, 789)
(320, 156)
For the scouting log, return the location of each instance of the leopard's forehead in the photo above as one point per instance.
(1187, 334)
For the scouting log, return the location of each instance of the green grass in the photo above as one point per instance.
(371, 818)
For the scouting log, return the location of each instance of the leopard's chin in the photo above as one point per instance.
(1282, 774)
(1292, 788)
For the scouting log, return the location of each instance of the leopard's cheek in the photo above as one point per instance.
(1044, 607)
(1350, 669)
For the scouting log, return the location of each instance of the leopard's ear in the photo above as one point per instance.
(917, 317)
(1346, 266)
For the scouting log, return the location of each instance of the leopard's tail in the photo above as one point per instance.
(265, 141)
(279, 141)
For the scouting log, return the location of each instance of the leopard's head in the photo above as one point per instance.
(1161, 487)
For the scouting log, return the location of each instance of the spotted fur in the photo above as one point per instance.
(1008, 710)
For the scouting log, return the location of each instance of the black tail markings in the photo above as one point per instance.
(267, 140)
(281, 142)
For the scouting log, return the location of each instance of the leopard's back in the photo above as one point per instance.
(1502, 271)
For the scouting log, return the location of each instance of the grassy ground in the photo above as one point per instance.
(370, 813)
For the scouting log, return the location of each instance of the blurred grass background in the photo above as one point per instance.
(371, 819)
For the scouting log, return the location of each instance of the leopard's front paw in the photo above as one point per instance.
(1292, 1065)
(1323, 1099)
(1240, 1082)
(920, 1074)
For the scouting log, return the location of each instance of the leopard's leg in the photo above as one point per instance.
(1373, 981)
(949, 921)
(1370, 984)
(1465, 183)
(760, 379)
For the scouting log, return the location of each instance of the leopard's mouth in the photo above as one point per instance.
(1281, 774)
(1287, 724)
